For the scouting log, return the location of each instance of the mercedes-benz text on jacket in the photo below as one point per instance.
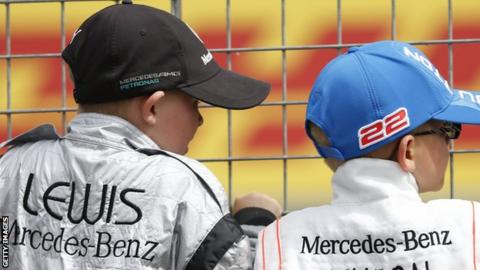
(105, 196)
(376, 221)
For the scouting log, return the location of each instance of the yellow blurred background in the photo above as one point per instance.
(36, 82)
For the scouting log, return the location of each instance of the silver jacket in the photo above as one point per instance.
(105, 196)
(376, 220)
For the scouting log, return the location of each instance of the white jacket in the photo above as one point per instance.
(375, 221)
(105, 196)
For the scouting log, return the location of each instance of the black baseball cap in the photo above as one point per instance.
(128, 50)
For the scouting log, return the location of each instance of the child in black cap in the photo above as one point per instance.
(117, 192)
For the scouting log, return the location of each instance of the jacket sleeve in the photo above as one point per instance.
(225, 247)
(220, 242)
(241, 255)
(252, 232)
(238, 257)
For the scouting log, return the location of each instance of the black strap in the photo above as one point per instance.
(151, 152)
(254, 216)
(218, 241)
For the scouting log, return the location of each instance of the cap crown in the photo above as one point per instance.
(373, 95)
(131, 50)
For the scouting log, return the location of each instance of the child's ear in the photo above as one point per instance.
(406, 153)
(148, 107)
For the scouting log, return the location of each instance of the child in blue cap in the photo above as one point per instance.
(382, 116)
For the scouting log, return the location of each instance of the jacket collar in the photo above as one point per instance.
(108, 129)
(367, 179)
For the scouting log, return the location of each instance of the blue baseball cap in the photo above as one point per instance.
(379, 92)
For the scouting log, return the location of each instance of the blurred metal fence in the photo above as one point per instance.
(176, 7)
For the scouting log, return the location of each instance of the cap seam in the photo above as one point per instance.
(432, 115)
(113, 45)
(370, 88)
(180, 51)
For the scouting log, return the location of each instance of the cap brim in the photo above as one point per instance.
(464, 108)
(229, 90)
